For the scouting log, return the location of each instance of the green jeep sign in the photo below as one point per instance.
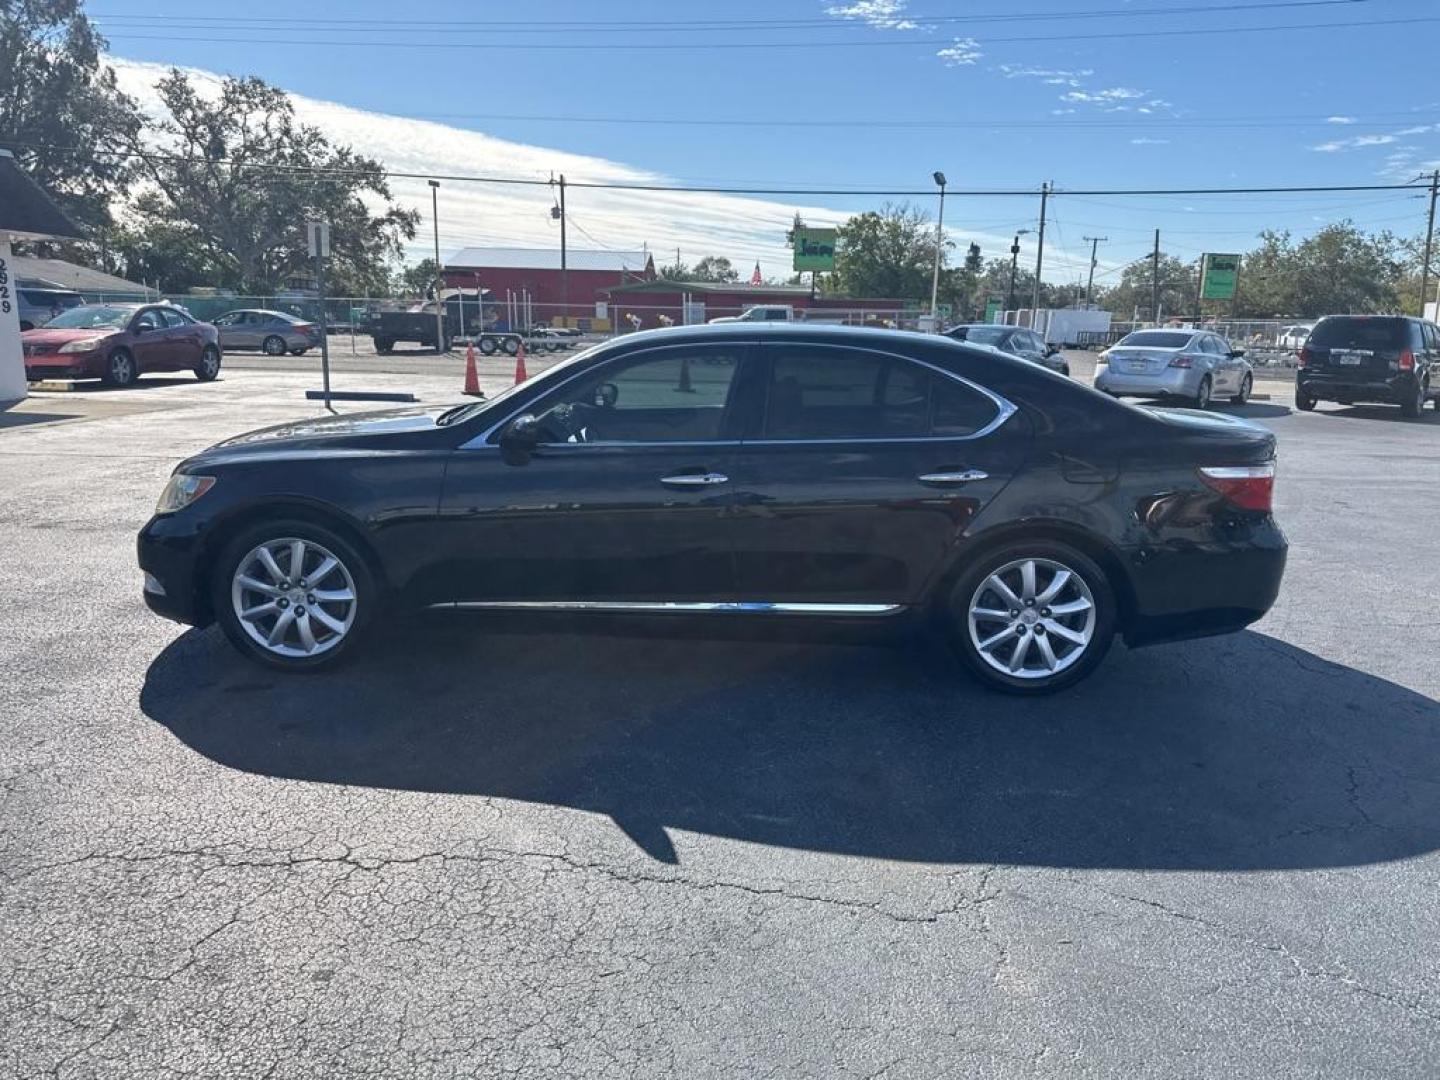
(1219, 276)
(815, 249)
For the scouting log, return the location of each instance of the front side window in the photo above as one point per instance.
(676, 395)
(149, 320)
(174, 319)
(832, 393)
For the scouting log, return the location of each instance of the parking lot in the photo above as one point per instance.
(544, 851)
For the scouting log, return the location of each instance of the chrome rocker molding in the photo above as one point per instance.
(679, 607)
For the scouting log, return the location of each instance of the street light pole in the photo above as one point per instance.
(439, 277)
(939, 247)
(1095, 242)
(1014, 263)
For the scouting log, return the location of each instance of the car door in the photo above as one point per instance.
(863, 470)
(149, 345)
(228, 327)
(183, 340)
(624, 501)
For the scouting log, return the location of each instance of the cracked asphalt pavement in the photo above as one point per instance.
(542, 850)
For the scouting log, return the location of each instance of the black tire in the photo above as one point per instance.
(511, 346)
(487, 346)
(120, 369)
(1303, 401)
(274, 345)
(1202, 394)
(1411, 409)
(972, 586)
(209, 366)
(366, 594)
(383, 346)
(1247, 384)
(299, 352)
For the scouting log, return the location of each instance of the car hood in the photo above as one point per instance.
(48, 336)
(355, 425)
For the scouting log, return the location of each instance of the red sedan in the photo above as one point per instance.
(120, 342)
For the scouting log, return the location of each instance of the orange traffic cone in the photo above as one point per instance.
(520, 375)
(472, 378)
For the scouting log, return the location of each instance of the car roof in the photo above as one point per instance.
(860, 336)
(258, 311)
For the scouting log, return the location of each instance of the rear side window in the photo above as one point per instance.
(831, 393)
(1351, 333)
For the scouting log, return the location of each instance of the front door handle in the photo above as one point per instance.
(705, 479)
(950, 479)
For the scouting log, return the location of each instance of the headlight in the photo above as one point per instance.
(181, 491)
(83, 345)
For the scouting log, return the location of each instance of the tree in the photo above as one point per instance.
(60, 107)
(889, 253)
(676, 271)
(243, 176)
(714, 268)
(1179, 285)
(417, 279)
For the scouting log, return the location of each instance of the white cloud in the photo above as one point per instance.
(1340, 119)
(1051, 76)
(1328, 148)
(1144, 141)
(881, 14)
(1418, 129)
(963, 52)
(1355, 142)
(1103, 97)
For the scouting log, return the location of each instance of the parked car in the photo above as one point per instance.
(1365, 358)
(39, 303)
(1293, 337)
(272, 332)
(740, 472)
(1196, 365)
(1015, 340)
(120, 342)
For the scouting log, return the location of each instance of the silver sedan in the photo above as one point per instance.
(272, 332)
(1196, 365)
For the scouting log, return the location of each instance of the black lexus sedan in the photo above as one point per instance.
(740, 472)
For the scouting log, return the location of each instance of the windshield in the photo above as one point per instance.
(460, 413)
(91, 317)
(1158, 339)
(981, 335)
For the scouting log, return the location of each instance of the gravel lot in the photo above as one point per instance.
(545, 851)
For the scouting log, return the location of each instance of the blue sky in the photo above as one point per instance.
(863, 93)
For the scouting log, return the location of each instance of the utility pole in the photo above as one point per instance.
(439, 277)
(564, 269)
(1039, 254)
(939, 250)
(1095, 242)
(1155, 280)
(1014, 262)
(1429, 240)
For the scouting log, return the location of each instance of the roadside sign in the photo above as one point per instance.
(1219, 275)
(943, 310)
(992, 308)
(317, 234)
(815, 249)
(602, 309)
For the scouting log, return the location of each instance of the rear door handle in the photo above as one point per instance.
(950, 479)
(706, 479)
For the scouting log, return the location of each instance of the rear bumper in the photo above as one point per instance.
(170, 558)
(1168, 382)
(1197, 590)
(1352, 386)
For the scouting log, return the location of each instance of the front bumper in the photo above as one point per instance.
(63, 366)
(1337, 385)
(1189, 590)
(1167, 382)
(170, 554)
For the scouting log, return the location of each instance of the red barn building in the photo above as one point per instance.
(532, 276)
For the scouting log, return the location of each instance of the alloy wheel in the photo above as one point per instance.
(1032, 618)
(293, 597)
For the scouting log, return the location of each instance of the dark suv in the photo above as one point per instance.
(1355, 358)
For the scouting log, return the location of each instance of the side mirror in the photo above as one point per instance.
(519, 439)
(140, 328)
(1236, 354)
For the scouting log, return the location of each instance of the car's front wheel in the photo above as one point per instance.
(1032, 618)
(293, 595)
(208, 366)
(1202, 394)
(274, 345)
(120, 369)
(1247, 384)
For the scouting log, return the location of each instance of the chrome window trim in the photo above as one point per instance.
(1004, 410)
(743, 607)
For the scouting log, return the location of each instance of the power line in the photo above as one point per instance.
(809, 45)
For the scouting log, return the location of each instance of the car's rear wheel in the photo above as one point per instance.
(120, 369)
(1202, 393)
(1032, 618)
(208, 366)
(511, 346)
(293, 595)
(274, 345)
(384, 345)
(299, 352)
(1412, 407)
(487, 346)
(1247, 384)
(1305, 402)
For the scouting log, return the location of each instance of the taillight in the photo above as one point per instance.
(1249, 487)
(1305, 357)
(303, 328)
(1407, 361)
(1181, 361)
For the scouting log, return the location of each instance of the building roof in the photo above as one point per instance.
(73, 276)
(730, 288)
(500, 258)
(26, 212)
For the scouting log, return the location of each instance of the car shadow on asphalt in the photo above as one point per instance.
(1429, 415)
(1235, 753)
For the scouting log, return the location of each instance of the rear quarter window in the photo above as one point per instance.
(1360, 334)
